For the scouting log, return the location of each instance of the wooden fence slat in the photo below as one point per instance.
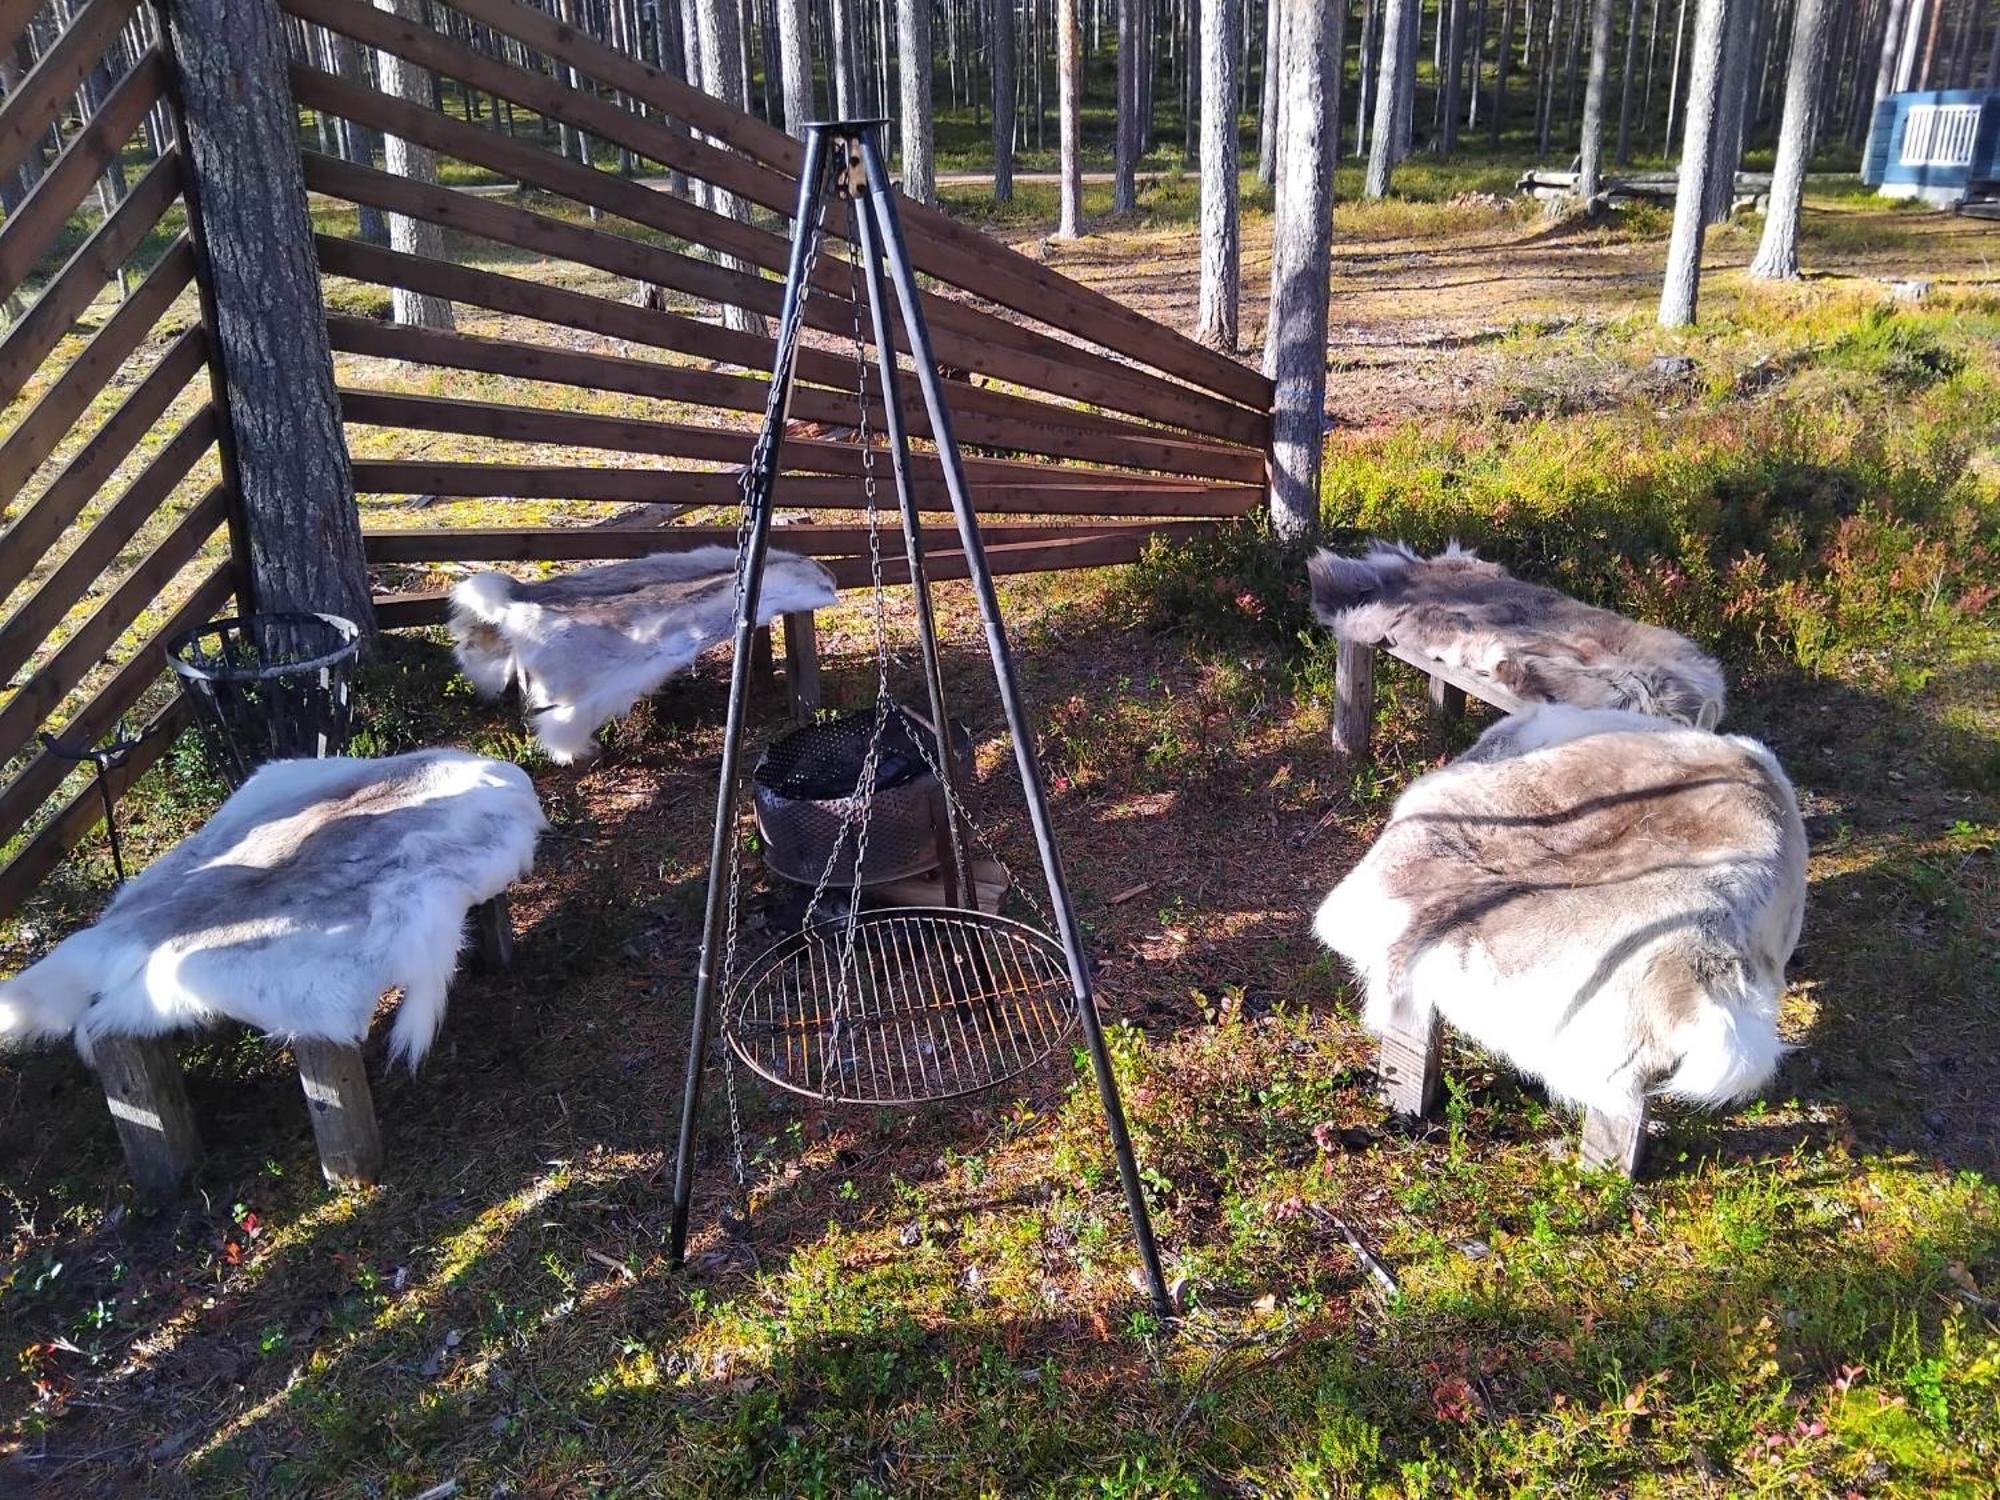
(36, 435)
(592, 544)
(16, 16)
(58, 74)
(24, 543)
(639, 377)
(982, 265)
(33, 228)
(43, 776)
(58, 593)
(84, 811)
(83, 276)
(962, 335)
(67, 666)
(400, 611)
(714, 343)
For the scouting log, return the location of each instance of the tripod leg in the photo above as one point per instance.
(882, 206)
(759, 483)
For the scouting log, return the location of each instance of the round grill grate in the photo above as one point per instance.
(939, 1004)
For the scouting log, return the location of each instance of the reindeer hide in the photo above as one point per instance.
(1543, 646)
(586, 645)
(315, 888)
(1605, 899)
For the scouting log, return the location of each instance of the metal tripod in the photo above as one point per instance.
(844, 158)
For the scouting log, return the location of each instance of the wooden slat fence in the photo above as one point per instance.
(1092, 427)
(611, 243)
(115, 516)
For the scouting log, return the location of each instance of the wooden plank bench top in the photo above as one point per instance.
(1354, 692)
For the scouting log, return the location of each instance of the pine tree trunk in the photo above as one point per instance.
(1000, 49)
(1498, 114)
(721, 50)
(1778, 253)
(1367, 70)
(408, 82)
(1475, 67)
(795, 63)
(1295, 335)
(1908, 45)
(1069, 104)
(1221, 265)
(847, 101)
(1727, 146)
(913, 35)
(1406, 82)
(1682, 285)
(1399, 19)
(1625, 78)
(303, 528)
(1125, 175)
(1591, 178)
(1267, 115)
(1454, 56)
(1674, 89)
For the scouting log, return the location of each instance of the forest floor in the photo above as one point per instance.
(1802, 1297)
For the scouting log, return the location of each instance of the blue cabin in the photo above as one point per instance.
(1940, 145)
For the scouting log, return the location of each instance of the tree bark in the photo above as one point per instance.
(1300, 271)
(795, 63)
(1680, 292)
(1125, 174)
(1778, 252)
(288, 446)
(1000, 48)
(1267, 115)
(1727, 145)
(1674, 92)
(913, 35)
(1500, 67)
(1906, 52)
(409, 83)
(1398, 22)
(1454, 57)
(721, 45)
(1625, 80)
(847, 102)
(1221, 265)
(1367, 71)
(1591, 177)
(1069, 49)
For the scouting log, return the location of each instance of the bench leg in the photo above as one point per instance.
(149, 1105)
(1410, 1068)
(1447, 702)
(493, 933)
(343, 1112)
(1353, 701)
(802, 666)
(1615, 1141)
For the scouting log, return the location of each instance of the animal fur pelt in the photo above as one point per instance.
(316, 887)
(1543, 646)
(586, 645)
(1605, 899)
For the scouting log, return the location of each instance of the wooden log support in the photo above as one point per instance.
(763, 658)
(343, 1112)
(1617, 1142)
(1447, 699)
(1353, 701)
(149, 1106)
(1409, 1068)
(802, 665)
(493, 934)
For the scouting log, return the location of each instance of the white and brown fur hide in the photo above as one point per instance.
(315, 888)
(1543, 646)
(586, 645)
(1605, 899)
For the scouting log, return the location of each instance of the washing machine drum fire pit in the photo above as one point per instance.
(805, 791)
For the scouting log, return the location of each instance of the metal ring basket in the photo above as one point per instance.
(799, 823)
(937, 1004)
(269, 687)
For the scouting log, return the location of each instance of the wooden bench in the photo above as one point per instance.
(1409, 1064)
(1354, 693)
(143, 1087)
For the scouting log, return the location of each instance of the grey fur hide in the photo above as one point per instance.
(1605, 899)
(1543, 646)
(588, 644)
(315, 888)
